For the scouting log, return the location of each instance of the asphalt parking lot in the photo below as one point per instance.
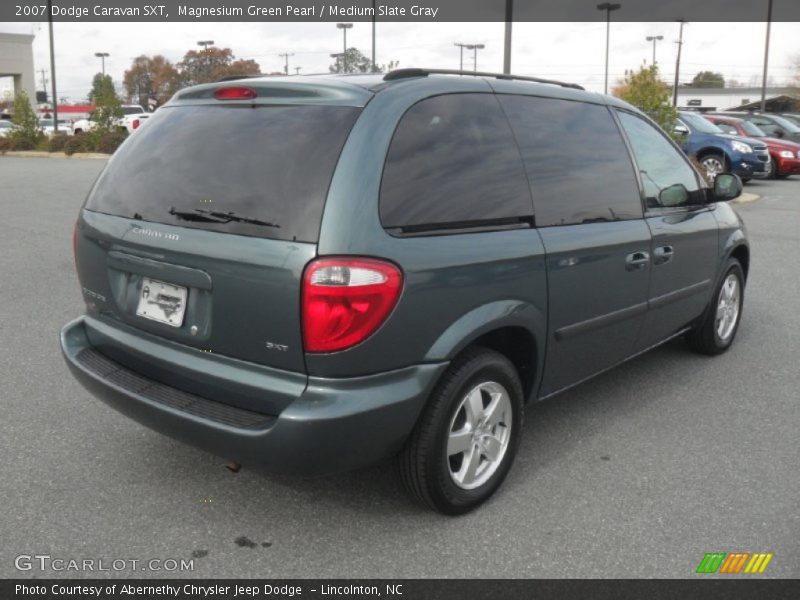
(638, 473)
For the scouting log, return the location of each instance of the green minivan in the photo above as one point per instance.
(315, 273)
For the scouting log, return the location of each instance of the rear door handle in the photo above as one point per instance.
(637, 260)
(663, 254)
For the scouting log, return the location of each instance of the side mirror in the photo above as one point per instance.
(727, 186)
(674, 195)
(680, 129)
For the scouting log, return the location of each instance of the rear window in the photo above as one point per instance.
(260, 171)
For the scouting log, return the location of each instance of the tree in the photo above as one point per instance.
(212, 64)
(708, 79)
(645, 90)
(356, 63)
(151, 77)
(97, 83)
(108, 107)
(26, 133)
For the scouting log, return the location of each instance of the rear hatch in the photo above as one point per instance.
(199, 228)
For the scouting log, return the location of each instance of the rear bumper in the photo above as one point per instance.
(334, 425)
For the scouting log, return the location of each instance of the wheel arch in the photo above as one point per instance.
(512, 328)
(708, 150)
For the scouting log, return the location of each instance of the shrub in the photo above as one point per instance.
(57, 143)
(76, 143)
(26, 134)
(6, 145)
(108, 142)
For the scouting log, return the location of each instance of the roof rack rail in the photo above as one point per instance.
(417, 72)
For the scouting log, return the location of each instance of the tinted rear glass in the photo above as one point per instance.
(269, 163)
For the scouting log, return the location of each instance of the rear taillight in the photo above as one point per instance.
(345, 300)
(135, 124)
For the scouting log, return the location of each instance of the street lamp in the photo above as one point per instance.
(205, 44)
(460, 54)
(475, 48)
(608, 7)
(344, 27)
(655, 39)
(102, 56)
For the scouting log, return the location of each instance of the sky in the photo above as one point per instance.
(567, 51)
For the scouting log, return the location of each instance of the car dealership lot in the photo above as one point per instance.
(637, 473)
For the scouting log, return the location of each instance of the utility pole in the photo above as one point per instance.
(608, 7)
(655, 39)
(344, 27)
(297, 70)
(678, 64)
(461, 54)
(44, 83)
(507, 40)
(286, 55)
(766, 60)
(52, 65)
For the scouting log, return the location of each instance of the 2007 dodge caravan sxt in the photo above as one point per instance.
(318, 272)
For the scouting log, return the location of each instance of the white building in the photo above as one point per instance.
(783, 99)
(16, 60)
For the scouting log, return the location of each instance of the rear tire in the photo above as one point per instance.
(717, 328)
(467, 437)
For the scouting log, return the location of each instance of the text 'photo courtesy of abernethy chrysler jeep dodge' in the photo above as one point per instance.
(334, 270)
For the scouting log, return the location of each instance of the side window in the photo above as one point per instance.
(726, 127)
(576, 160)
(453, 161)
(668, 179)
(765, 124)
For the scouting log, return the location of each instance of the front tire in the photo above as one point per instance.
(714, 164)
(467, 437)
(717, 329)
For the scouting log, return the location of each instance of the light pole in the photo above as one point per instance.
(766, 60)
(507, 37)
(344, 27)
(297, 70)
(678, 63)
(102, 56)
(475, 48)
(374, 14)
(608, 7)
(655, 39)
(286, 55)
(205, 44)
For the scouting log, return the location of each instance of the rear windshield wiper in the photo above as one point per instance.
(216, 216)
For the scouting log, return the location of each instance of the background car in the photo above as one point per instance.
(785, 155)
(718, 151)
(773, 125)
(133, 116)
(793, 117)
(5, 127)
(64, 127)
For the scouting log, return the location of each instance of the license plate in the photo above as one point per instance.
(162, 302)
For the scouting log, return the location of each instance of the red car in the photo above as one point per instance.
(785, 155)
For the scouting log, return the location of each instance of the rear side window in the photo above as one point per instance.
(259, 171)
(577, 162)
(453, 162)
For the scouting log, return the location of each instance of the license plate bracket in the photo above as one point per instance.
(162, 302)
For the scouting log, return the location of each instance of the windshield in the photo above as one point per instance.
(785, 123)
(699, 124)
(229, 168)
(752, 129)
